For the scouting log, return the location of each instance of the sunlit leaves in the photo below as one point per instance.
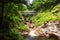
(43, 18)
(56, 11)
(21, 27)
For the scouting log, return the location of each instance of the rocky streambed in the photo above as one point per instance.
(48, 31)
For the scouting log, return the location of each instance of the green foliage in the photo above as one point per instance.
(15, 35)
(13, 19)
(42, 18)
(12, 15)
(21, 27)
(56, 11)
(44, 10)
(56, 7)
(38, 4)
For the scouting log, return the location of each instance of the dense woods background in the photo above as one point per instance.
(12, 20)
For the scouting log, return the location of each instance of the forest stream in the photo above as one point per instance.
(47, 31)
